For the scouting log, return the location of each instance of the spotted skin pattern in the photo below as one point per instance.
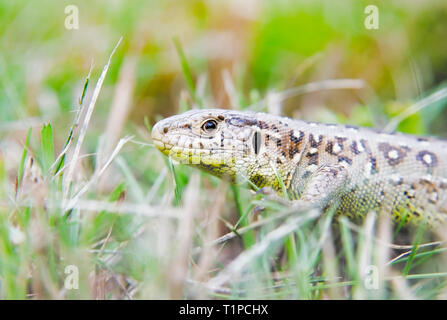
(358, 169)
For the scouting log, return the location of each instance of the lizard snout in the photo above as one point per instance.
(158, 131)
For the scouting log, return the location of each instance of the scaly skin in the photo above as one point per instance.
(358, 169)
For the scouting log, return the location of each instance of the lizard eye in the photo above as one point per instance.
(209, 126)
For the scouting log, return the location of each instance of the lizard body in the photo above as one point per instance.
(361, 169)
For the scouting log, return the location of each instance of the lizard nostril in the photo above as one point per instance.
(165, 130)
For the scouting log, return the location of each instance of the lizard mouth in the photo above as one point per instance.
(160, 145)
(194, 156)
(181, 152)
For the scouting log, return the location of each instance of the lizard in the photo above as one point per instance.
(358, 169)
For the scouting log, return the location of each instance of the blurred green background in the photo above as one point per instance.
(261, 45)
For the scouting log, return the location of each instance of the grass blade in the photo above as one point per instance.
(22, 161)
(46, 136)
(186, 71)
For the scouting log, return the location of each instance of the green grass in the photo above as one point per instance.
(136, 225)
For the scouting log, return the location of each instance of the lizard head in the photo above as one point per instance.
(226, 143)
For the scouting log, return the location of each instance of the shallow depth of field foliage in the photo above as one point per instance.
(84, 193)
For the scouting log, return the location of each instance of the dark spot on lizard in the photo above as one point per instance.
(267, 139)
(313, 158)
(428, 184)
(314, 143)
(340, 140)
(394, 155)
(373, 162)
(222, 139)
(365, 146)
(409, 195)
(294, 139)
(329, 147)
(276, 141)
(293, 150)
(406, 148)
(348, 126)
(396, 181)
(334, 148)
(258, 180)
(262, 125)
(306, 174)
(354, 148)
(334, 172)
(295, 142)
(427, 158)
(345, 159)
(241, 122)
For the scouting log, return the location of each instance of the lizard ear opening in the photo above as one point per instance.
(257, 142)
